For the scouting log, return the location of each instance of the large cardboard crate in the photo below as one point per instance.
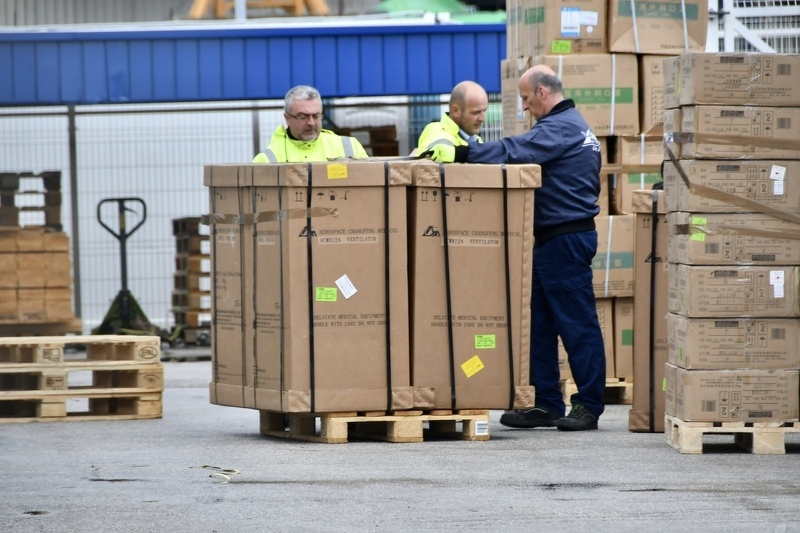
(623, 338)
(605, 88)
(730, 343)
(650, 307)
(612, 266)
(734, 132)
(605, 315)
(733, 186)
(323, 291)
(734, 395)
(651, 92)
(667, 27)
(471, 250)
(229, 187)
(734, 291)
(732, 238)
(626, 183)
(742, 78)
(536, 27)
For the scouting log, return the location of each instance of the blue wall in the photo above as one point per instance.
(96, 67)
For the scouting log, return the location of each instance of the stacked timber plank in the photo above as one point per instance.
(35, 261)
(71, 378)
(191, 297)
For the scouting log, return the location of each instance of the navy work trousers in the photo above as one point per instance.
(563, 304)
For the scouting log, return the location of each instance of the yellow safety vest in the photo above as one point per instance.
(284, 149)
(444, 131)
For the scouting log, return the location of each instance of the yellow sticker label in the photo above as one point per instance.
(326, 294)
(698, 229)
(337, 171)
(472, 366)
(485, 342)
(561, 47)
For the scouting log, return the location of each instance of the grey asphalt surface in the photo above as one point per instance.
(149, 476)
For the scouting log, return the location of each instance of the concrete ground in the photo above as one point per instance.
(206, 468)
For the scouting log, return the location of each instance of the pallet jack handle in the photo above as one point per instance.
(123, 233)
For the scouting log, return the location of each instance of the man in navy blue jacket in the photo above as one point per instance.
(565, 243)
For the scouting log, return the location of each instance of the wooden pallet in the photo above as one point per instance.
(51, 350)
(618, 391)
(20, 381)
(757, 438)
(74, 406)
(195, 263)
(192, 299)
(397, 426)
(29, 329)
(192, 318)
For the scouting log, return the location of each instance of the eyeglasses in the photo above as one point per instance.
(302, 117)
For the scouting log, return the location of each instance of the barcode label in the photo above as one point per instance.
(481, 427)
(778, 333)
(712, 248)
(784, 70)
(709, 406)
(784, 123)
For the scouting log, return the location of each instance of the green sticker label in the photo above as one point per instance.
(646, 177)
(485, 342)
(627, 337)
(561, 46)
(326, 294)
(664, 384)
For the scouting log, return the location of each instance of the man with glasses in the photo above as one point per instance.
(303, 140)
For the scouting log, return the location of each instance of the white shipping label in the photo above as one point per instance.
(346, 286)
(777, 175)
(570, 22)
(777, 279)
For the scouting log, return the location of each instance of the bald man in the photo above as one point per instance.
(563, 302)
(461, 123)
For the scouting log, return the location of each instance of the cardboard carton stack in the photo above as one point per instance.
(733, 222)
(370, 285)
(609, 55)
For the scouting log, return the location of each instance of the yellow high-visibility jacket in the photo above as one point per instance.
(444, 131)
(284, 149)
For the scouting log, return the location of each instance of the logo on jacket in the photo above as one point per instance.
(591, 140)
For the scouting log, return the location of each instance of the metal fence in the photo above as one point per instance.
(157, 153)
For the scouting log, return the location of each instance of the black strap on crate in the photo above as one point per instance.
(507, 265)
(387, 284)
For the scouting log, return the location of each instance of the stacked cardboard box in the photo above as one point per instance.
(734, 257)
(650, 308)
(363, 285)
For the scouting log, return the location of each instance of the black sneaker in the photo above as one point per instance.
(535, 417)
(578, 419)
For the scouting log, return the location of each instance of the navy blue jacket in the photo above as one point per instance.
(569, 154)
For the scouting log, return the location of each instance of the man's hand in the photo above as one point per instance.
(443, 153)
